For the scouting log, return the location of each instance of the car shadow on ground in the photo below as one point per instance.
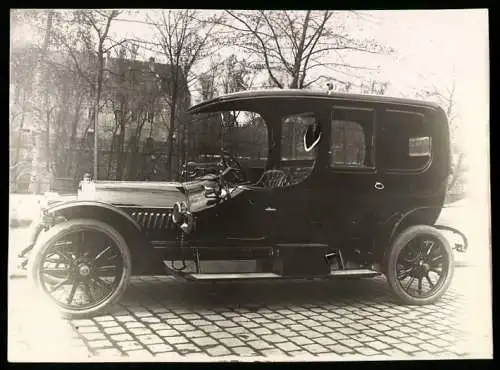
(154, 291)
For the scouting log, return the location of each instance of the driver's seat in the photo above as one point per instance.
(273, 179)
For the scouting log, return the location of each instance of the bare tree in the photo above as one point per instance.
(446, 98)
(29, 77)
(133, 95)
(236, 75)
(86, 38)
(21, 79)
(296, 43)
(183, 40)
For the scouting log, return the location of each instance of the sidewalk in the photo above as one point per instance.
(24, 208)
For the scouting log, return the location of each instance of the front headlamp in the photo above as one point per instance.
(182, 217)
(187, 225)
(179, 211)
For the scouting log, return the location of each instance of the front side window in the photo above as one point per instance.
(300, 137)
(351, 138)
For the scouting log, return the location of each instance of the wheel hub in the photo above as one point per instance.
(83, 270)
(421, 268)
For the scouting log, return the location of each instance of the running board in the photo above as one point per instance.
(267, 275)
(238, 276)
(355, 272)
(270, 275)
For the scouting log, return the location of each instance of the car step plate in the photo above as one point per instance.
(270, 275)
(354, 272)
(238, 276)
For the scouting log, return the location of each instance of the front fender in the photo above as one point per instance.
(67, 207)
(140, 247)
(50, 216)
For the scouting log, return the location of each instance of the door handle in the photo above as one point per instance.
(379, 186)
(270, 209)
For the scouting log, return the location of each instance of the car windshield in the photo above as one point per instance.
(242, 133)
(245, 136)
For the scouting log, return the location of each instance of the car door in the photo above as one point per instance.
(287, 206)
(244, 217)
(405, 152)
(344, 201)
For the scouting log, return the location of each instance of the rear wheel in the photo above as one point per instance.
(83, 266)
(420, 265)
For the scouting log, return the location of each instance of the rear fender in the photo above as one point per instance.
(399, 221)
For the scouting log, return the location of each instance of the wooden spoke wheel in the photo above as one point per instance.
(82, 266)
(420, 265)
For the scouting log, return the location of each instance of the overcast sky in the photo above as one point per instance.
(433, 48)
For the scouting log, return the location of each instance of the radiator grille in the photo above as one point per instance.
(153, 220)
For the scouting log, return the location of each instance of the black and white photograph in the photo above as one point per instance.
(212, 185)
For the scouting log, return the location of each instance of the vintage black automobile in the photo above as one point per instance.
(318, 186)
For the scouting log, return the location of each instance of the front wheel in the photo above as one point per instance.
(83, 266)
(420, 265)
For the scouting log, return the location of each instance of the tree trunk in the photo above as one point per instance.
(34, 186)
(19, 136)
(456, 172)
(61, 122)
(132, 171)
(72, 141)
(47, 143)
(96, 120)
(182, 147)
(188, 142)
(111, 151)
(46, 43)
(170, 142)
(121, 149)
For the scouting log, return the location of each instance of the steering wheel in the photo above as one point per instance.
(229, 161)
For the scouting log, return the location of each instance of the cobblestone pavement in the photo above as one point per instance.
(161, 319)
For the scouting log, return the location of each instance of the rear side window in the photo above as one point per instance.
(406, 143)
(351, 138)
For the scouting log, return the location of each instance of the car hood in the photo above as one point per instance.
(147, 193)
(133, 193)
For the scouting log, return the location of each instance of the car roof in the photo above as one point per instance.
(271, 94)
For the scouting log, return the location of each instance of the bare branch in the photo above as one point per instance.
(276, 42)
(264, 48)
(124, 41)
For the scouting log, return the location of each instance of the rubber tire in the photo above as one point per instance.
(68, 227)
(400, 242)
